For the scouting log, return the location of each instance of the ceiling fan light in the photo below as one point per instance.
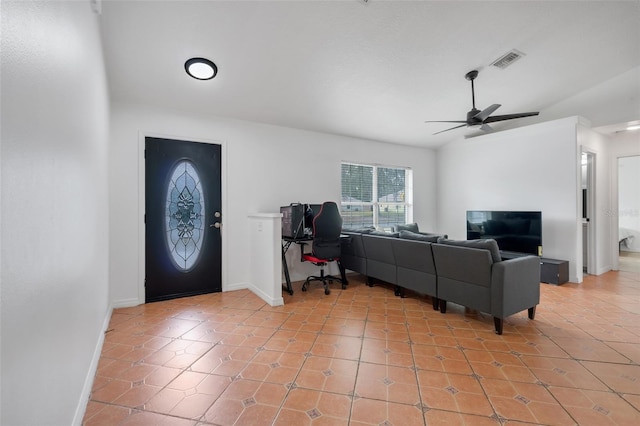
(200, 68)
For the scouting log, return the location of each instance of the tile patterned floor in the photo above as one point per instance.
(362, 356)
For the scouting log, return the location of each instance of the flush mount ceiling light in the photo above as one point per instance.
(201, 68)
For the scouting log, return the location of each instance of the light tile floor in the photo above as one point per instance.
(363, 356)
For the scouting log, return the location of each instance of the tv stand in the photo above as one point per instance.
(552, 271)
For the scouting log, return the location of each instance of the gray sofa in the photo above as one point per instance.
(472, 274)
(402, 258)
(469, 273)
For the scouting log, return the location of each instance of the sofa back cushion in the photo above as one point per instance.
(408, 235)
(378, 248)
(415, 255)
(383, 233)
(486, 244)
(461, 265)
(413, 227)
(352, 245)
(361, 230)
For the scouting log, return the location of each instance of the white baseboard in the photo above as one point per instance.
(93, 367)
(236, 286)
(126, 303)
(273, 301)
(603, 270)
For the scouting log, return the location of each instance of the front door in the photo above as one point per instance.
(183, 244)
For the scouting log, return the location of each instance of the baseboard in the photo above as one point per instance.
(125, 303)
(236, 286)
(273, 301)
(93, 367)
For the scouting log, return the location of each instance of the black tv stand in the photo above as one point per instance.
(552, 271)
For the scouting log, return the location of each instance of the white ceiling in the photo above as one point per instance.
(374, 70)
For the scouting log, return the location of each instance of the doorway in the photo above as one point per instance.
(588, 203)
(629, 213)
(183, 244)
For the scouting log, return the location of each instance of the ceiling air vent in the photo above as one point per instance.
(507, 59)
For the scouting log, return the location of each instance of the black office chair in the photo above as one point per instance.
(325, 248)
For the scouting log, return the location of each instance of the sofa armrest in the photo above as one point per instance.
(515, 285)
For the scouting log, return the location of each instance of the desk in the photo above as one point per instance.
(286, 243)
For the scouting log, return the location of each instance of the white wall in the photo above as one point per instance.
(266, 167)
(54, 243)
(529, 168)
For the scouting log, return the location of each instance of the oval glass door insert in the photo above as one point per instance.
(184, 215)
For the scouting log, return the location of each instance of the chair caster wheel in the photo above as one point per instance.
(327, 291)
(344, 286)
(304, 288)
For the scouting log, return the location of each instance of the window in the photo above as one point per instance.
(374, 195)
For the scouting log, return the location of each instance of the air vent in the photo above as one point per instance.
(507, 59)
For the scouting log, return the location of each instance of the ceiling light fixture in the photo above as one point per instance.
(201, 68)
(636, 127)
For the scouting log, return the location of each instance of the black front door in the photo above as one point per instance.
(183, 245)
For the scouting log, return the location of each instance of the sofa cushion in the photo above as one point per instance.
(413, 227)
(408, 235)
(361, 230)
(383, 233)
(485, 244)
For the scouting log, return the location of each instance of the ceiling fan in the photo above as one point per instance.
(475, 117)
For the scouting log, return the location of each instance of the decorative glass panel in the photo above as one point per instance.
(184, 215)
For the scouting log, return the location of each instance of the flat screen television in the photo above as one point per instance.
(514, 231)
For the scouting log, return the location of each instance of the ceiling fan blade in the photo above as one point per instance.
(485, 113)
(458, 121)
(495, 118)
(446, 130)
(486, 128)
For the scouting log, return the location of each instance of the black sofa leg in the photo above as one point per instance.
(498, 323)
(532, 313)
(369, 281)
(399, 291)
(443, 306)
(436, 304)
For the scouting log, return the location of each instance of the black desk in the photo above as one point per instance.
(286, 243)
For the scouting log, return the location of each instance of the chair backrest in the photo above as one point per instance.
(327, 226)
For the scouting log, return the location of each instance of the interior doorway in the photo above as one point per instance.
(629, 213)
(588, 203)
